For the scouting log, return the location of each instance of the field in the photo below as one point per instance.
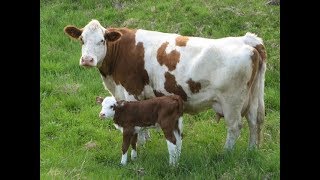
(76, 144)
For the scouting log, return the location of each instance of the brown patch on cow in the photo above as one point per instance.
(255, 65)
(194, 86)
(125, 62)
(170, 60)
(181, 40)
(157, 93)
(172, 87)
(262, 52)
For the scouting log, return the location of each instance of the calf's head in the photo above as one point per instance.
(93, 38)
(108, 106)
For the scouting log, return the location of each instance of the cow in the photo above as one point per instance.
(131, 117)
(225, 74)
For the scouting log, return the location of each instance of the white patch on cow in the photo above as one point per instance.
(144, 134)
(217, 107)
(252, 39)
(94, 42)
(147, 92)
(137, 129)
(133, 154)
(122, 94)
(109, 84)
(141, 138)
(118, 127)
(172, 153)
(107, 109)
(124, 158)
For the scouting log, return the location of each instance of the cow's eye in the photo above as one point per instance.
(102, 41)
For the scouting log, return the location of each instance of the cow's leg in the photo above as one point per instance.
(251, 117)
(127, 135)
(134, 146)
(172, 145)
(232, 116)
(178, 136)
(141, 138)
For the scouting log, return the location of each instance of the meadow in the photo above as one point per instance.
(76, 144)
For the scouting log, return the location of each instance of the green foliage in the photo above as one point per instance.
(75, 144)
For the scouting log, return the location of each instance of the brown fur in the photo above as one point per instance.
(172, 87)
(181, 40)
(158, 93)
(73, 31)
(255, 65)
(262, 51)
(125, 62)
(170, 60)
(194, 86)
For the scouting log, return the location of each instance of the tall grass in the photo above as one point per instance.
(75, 144)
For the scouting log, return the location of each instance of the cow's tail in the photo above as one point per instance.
(258, 89)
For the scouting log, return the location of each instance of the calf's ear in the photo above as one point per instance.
(73, 31)
(99, 99)
(112, 35)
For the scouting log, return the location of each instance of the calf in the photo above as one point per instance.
(131, 117)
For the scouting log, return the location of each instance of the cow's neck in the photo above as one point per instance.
(124, 62)
(108, 65)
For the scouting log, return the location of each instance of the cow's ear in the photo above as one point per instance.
(112, 35)
(99, 99)
(73, 31)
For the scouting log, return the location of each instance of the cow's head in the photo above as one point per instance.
(93, 38)
(108, 105)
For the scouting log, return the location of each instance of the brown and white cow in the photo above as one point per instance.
(131, 117)
(225, 74)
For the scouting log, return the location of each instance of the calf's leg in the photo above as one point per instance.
(127, 135)
(172, 146)
(134, 146)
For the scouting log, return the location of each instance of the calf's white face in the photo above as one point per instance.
(107, 103)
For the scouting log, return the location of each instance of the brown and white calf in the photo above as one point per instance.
(225, 74)
(131, 117)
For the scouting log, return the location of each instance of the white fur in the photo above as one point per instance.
(124, 158)
(172, 153)
(118, 127)
(106, 106)
(133, 154)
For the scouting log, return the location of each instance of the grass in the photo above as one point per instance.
(75, 144)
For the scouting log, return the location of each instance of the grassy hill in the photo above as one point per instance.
(76, 144)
